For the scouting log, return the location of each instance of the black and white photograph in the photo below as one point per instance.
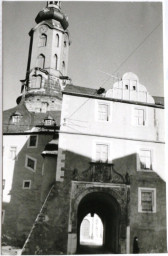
(83, 128)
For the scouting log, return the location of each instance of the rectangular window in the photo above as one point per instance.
(26, 184)
(48, 122)
(139, 116)
(3, 184)
(147, 200)
(30, 163)
(145, 159)
(32, 143)
(12, 153)
(101, 152)
(103, 112)
(16, 119)
(3, 216)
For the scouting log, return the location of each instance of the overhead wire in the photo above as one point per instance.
(139, 45)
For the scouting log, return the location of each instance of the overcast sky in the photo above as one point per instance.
(104, 35)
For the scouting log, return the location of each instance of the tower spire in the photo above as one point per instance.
(47, 65)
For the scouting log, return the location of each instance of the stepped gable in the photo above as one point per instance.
(27, 120)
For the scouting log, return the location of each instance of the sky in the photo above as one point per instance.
(107, 38)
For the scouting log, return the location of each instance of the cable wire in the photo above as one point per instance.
(137, 47)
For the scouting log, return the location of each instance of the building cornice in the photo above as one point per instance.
(112, 137)
(113, 99)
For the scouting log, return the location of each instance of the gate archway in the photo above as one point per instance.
(108, 209)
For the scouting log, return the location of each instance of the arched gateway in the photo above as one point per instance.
(110, 203)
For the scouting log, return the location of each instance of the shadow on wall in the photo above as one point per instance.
(25, 202)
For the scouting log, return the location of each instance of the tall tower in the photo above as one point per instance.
(46, 74)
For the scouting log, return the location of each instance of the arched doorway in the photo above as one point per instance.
(91, 230)
(107, 208)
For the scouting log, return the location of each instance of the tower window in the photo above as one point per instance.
(41, 61)
(56, 62)
(65, 43)
(44, 106)
(30, 163)
(26, 184)
(63, 67)
(42, 40)
(36, 82)
(57, 40)
(32, 143)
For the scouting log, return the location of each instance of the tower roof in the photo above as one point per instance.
(53, 11)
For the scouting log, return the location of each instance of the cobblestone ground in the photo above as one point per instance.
(9, 250)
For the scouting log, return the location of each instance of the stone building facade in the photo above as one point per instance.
(76, 151)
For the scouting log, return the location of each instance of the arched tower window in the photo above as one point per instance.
(57, 40)
(42, 40)
(36, 82)
(41, 61)
(63, 67)
(56, 62)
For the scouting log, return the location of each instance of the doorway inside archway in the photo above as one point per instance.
(91, 230)
(103, 207)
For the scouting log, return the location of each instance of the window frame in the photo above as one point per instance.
(23, 187)
(151, 159)
(145, 118)
(108, 104)
(144, 189)
(26, 162)
(42, 42)
(10, 152)
(16, 119)
(28, 145)
(48, 122)
(94, 149)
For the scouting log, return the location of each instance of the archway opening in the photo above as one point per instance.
(91, 230)
(107, 209)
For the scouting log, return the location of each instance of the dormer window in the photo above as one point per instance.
(49, 121)
(16, 117)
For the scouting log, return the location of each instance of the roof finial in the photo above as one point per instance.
(55, 4)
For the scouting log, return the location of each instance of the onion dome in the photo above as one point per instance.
(51, 147)
(52, 11)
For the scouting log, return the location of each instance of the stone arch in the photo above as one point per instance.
(115, 198)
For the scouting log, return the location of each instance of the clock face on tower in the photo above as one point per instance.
(43, 28)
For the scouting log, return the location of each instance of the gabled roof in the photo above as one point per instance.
(70, 88)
